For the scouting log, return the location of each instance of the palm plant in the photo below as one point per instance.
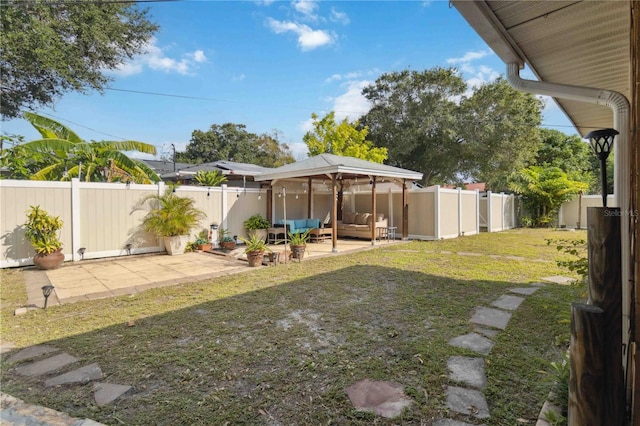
(209, 177)
(170, 215)
(68, 156)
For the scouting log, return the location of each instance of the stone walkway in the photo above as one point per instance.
(47, 362)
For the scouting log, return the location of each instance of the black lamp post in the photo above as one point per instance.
(601, 142)
(46, 292)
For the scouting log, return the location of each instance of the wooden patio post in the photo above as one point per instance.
(334, 214)
(405, 211)
(596, 385)
(374, 213)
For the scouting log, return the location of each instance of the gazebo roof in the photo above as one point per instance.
(324, 165)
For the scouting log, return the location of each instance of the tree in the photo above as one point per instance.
(49, 48)
(499, 126)
(62, 154)
(233, 142)
(413, 115)
(569, 153)
(346, 139)
(544, 189)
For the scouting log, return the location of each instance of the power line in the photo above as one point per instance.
(198, 98)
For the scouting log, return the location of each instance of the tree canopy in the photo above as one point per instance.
(233, 142)
(413, 115)
(49, 48)
(61, 155)
(500, 128)
(344, 138)
(544, 189)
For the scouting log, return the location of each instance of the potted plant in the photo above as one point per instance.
(298, 243)
(257, 224)
(225, 239)
(202, 242)
(171, 217)
(255, 248)
(42, 231)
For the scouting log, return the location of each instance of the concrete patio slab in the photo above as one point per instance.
(491, 317)
(105, 393)
(474, 342)
(45, 366)
(466, 370)
(508, 302)
(32, 352)
(467, 401)
(81, 375)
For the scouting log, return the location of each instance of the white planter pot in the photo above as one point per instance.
(176, 245)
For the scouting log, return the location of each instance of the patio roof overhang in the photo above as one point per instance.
(323, 166)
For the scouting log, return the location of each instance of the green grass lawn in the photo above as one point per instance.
(280, 345)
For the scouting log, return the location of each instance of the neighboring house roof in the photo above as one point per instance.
(186, 171)
(323, 165)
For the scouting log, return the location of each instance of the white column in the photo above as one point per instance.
(489, 211)
(76, 237)
(477, 211)
(224, 205)
(459, 211)
(437, 211)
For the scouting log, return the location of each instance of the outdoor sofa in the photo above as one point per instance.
(358, 225)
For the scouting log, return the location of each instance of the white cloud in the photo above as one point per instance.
(306, 7)
(155, 58)
(308, 38)
(469, 57)
(238, 77)
(340, 17)
(352, 104)
(299, 150)
(198, 56)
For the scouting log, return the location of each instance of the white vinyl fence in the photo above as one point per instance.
(102, 218)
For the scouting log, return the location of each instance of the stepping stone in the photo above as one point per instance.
(105, 393)
(469, 371)
(487, 332)
(386, 399)
(449, 422)
(508, 302)
(45, 366)
(467, 401)
(559, 279)
(525, 291)
(491, 317)
(81, 375)
(32, 352)
(474, 342)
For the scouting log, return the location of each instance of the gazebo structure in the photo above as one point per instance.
(341, 170)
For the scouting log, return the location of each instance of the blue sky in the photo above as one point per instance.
(269, 65)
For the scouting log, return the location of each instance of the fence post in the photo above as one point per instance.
(76, 237)
(596, 392)
(489, 211)
(502, 211)
(436, 204)
(459, 211)
(477, 211)
(224, 205)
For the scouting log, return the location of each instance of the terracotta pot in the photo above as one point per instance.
(49, 261)
(205, 247)
(255, 258)
(297, 249)
(228, 245)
